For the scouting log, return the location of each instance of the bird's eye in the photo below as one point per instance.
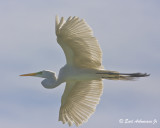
(39, 73)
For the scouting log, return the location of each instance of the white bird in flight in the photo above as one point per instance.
(83, 71)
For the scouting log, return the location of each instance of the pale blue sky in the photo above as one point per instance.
(129, 34)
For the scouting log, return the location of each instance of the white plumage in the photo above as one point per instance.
(80, 47)
(81, 50)
(83, 72)
(79, 101)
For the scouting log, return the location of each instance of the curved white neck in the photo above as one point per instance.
(50, 80)
(49, 83)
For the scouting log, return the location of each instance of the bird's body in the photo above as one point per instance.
(83, 72)
(70, 73)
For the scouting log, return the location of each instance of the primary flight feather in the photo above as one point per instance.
(83, 72)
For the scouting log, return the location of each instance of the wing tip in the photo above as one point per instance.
(56, 23)
(59, 24)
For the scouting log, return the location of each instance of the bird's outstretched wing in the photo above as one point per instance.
(78, 43)
(79, 101)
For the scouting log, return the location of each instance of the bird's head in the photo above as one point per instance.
(50, 78)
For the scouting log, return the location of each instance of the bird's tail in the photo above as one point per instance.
(113, 75)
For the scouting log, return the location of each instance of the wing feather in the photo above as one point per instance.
(79, 101)
(78, 43)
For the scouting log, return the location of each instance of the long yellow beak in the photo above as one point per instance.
(30, 74)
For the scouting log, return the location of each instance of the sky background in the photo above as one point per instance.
(128, 32)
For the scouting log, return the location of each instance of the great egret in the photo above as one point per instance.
(83, 72)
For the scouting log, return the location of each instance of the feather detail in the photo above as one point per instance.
(78, 43)
(79, 101)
